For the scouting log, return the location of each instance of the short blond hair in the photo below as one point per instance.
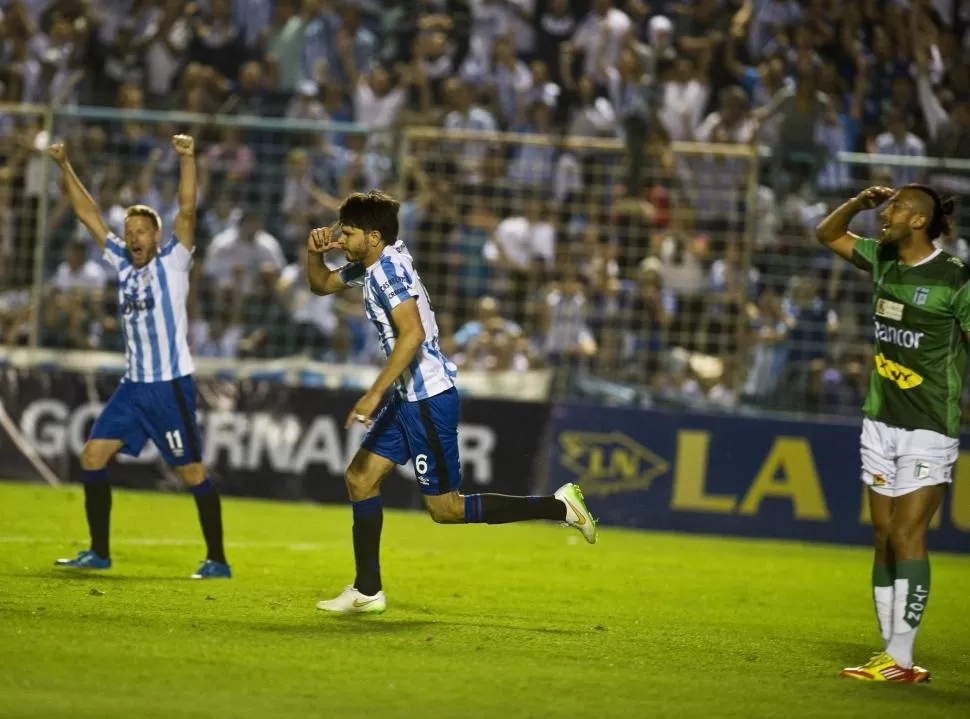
(144, 211)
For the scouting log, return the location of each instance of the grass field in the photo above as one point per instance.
(512, 621)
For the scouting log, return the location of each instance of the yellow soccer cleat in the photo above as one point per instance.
(883, 668)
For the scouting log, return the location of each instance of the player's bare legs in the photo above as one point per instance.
(883, 564)
(901, 581)
(210, 519)
(911, 518)
(97, 503)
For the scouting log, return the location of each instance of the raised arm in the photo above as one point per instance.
(84, 205)
(833, 231)
(323, 280)
(188, 190)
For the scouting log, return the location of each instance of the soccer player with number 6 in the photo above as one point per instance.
(156, 397)
(420, 420)
(910, 434)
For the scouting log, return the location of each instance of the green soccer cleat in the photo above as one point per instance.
(577, 515)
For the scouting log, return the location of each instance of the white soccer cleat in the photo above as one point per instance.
(351, 601)
(576, 513)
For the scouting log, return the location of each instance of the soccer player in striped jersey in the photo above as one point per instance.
(419, 422)
(156, 397)
(910, 433)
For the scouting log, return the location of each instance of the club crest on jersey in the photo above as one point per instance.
(920, 296)
(889, 309)
(902, 377)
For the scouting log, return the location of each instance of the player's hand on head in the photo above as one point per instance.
(871, 197)
(58, 153)
(184, 144)
(322, 240)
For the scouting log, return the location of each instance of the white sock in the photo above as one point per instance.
(900, 645)
(883, 598)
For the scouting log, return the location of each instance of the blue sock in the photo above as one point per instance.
(368, 523)
(93, 476)
(473, 509)
(204, 488)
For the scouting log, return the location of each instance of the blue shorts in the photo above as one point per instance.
(163, 412)
(426, 432)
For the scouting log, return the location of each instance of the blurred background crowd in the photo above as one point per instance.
(586, 236)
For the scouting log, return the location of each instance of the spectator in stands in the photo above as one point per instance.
(283, 41)
(377, 103)
(567, 339)
(77, 272)
(217, 41)
(516, 241)
(354, 48)
(651, 312)
(533, 164)
(796, 157)
(313, 320)
(731, 286)
(237, 255)
(839, 132)
(230, 160)
(219, 336)
(685, 91)
(305, 104)
(468, 273)
(603, 30)
(629, 89)
(898, 141)
(812, 323)
(166, 41)
(464, 115)
(720, 183)
(556, 26)
(221, 216)
(487, 315)
(769, 327)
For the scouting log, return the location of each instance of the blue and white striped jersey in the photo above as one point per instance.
(387, 283)
(152, 302)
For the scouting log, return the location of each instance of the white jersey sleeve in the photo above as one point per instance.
(353, 274)
(115, 252)
(176, 256)
(395, 281)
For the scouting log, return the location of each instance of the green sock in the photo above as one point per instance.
(912, 591)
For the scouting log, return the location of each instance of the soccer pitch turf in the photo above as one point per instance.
(510, 621)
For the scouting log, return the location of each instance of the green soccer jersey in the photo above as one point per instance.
(921, 313)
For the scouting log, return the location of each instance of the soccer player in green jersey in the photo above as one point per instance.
(910, 434)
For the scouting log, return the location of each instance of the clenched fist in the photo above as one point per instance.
(184, 145)
(322, 240)
(58, 153)
(871, 197)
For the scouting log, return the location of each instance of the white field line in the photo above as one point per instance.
(173, 542)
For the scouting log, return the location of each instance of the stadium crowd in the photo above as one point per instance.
(635, 267)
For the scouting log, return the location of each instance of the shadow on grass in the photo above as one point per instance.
(69, 575)
(356, 624)
(369, 624)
